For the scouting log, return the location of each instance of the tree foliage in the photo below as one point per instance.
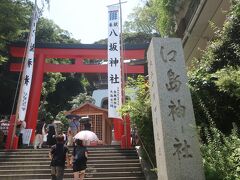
(221, 154)
(14, 21)
(214, 78)
(137, 38)
(142, 20)
(215, 84)
(65, 90)
(165, 11)
(155, 17)
(140, 113)
(48, 31)
(49, 86)
(80, 99)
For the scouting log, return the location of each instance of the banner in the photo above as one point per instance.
(114, 63)
(27, 133)
(28, 69)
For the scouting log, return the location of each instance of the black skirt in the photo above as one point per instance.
(79, 167)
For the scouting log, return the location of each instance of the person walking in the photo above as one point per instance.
(51, 134)
(39, 132)
(73, 129)
(87, 126)
(21, 126)
(79, 160)
(59, 154)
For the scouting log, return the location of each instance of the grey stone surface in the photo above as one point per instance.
(176, 141)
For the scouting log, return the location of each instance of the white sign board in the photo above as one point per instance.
(114, 63)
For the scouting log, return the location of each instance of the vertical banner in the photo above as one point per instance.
(114, 63)
(28, 69)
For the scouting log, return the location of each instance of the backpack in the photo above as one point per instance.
(59, 156)
(79, 155)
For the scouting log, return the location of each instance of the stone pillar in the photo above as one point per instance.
(176, 140)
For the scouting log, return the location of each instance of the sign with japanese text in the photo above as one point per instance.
(114, 63)
(176, 141)
(28, 69)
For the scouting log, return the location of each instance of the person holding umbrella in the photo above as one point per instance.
(79, 160)
(87, 137)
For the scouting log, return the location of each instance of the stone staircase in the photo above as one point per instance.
(104, 162)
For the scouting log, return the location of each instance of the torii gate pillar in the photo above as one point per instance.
(35, 94)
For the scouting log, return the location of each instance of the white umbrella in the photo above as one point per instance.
(86, 136)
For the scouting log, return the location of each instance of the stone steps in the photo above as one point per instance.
(113, 161)
(46, 170)
(46, 166)
(104, 162)
(30, 176)
(47, 159)
(46, 153)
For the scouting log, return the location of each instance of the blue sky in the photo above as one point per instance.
(85, 19)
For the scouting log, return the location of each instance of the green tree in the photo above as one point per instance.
(137, 38)
(221, 154)
(80, 99)
(65, 90)
(165, 12)
(14, 20)
(214, 79)
(142, 20)
(48, 31)
(61, 116)
(141, 114)
(49, 86)
(155, 17)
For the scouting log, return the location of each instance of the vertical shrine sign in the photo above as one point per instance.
(28, 69)
(114, 63)
(176, 141)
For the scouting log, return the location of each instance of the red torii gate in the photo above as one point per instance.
(79, 52)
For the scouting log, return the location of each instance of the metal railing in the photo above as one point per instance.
(146, 152)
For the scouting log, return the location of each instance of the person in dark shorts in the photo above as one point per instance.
(79, 160)
(58, 154)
